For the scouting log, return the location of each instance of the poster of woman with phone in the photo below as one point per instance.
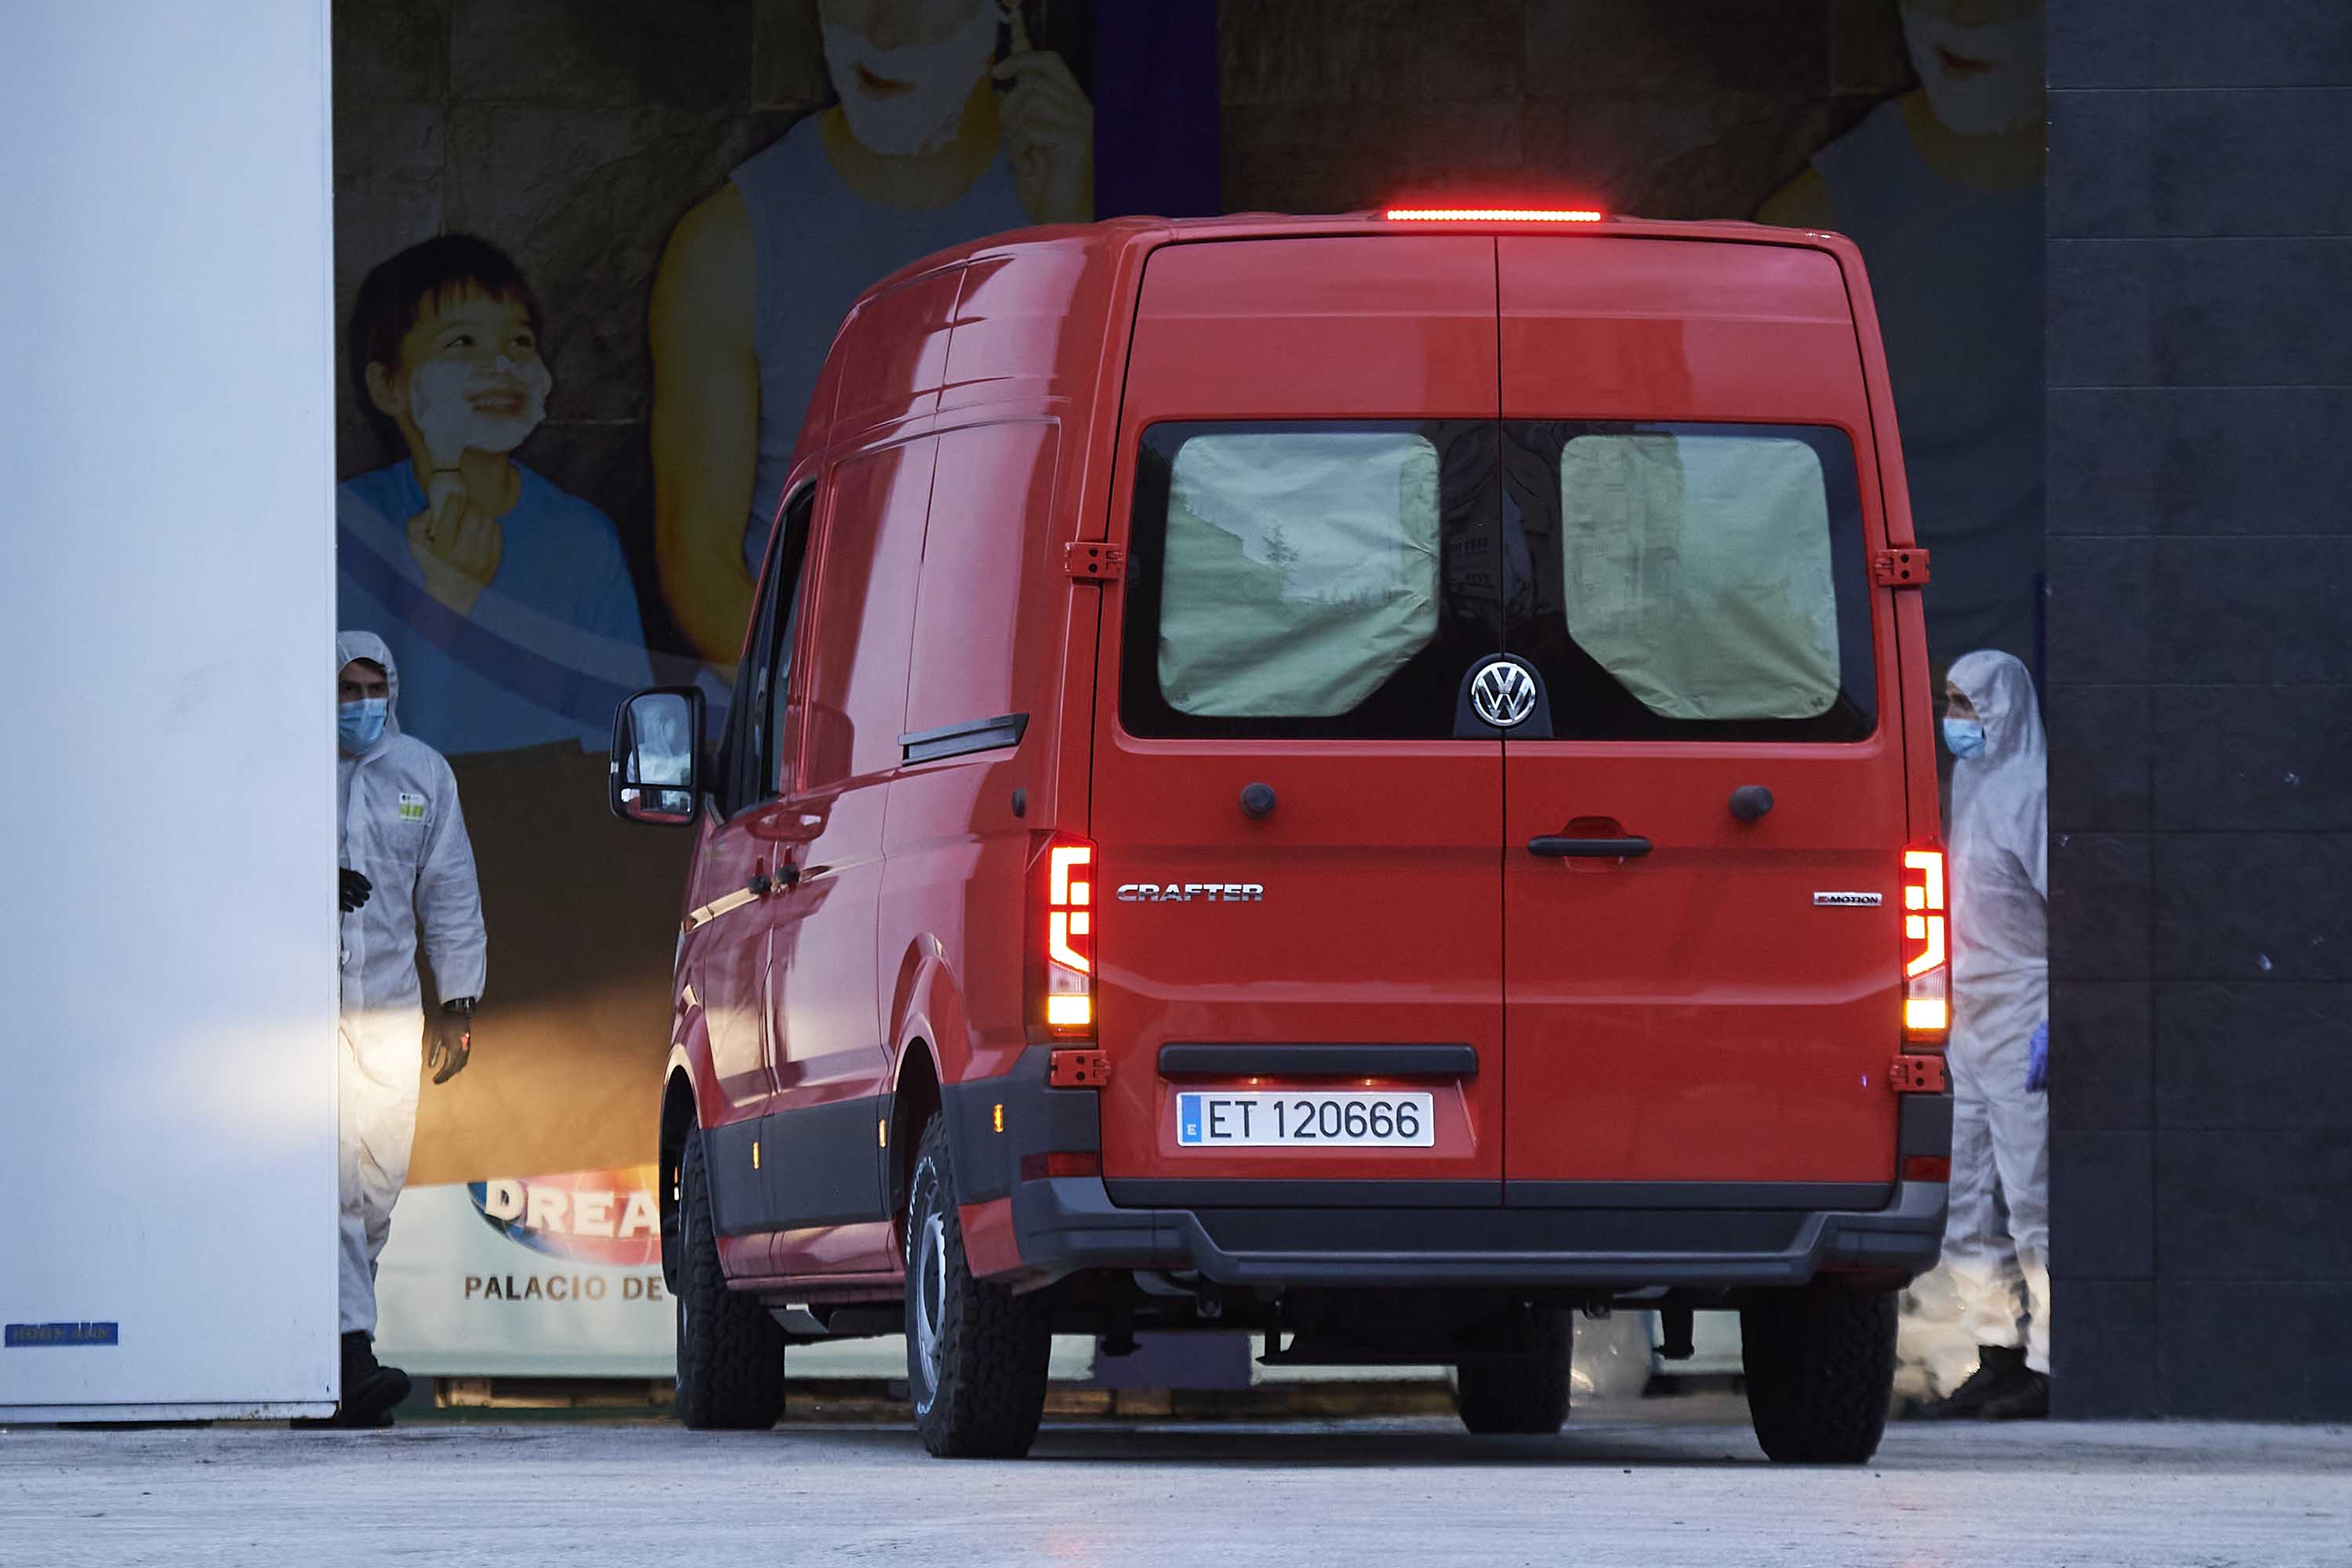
(950, 124)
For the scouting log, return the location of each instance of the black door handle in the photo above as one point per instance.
(1588, 848)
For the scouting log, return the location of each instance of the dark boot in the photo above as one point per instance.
(2001, 1372)
(370, 1389)
(2028, 1401)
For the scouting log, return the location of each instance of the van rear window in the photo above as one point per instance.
(1668, 582)
(1691, 581)
(1696, 572)
(1301, 570)
(1325, 579)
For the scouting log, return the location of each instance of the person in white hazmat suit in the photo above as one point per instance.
(407, 862)
(1997, 1239)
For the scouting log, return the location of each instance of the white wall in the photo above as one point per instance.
(167, 849)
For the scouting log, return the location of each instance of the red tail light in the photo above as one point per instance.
(1061, 968)
(1927, 948)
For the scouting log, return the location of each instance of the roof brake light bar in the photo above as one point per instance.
(1492, 214)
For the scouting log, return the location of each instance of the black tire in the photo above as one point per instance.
(1820, 1369)
(976, 1353)
(731, 1352)
(1524, 1395)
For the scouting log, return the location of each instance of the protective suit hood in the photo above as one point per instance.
(2001, 691)
(2000, 836)
(349, 645)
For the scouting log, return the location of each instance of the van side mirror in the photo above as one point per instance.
(656, 771)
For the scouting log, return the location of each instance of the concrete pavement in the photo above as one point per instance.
(1657, 1483)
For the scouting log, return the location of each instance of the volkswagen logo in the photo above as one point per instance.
(1504, 693)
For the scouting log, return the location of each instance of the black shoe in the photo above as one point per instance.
(370, 1390)
(2029, 1401)
(2001, 1372)
(370, 1401)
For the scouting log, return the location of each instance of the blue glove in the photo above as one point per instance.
(2037, 1059)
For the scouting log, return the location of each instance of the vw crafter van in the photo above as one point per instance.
(1362, 780)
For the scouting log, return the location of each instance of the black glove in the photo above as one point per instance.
(453, 1040)
(356, 890)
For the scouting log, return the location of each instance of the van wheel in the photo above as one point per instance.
(976, 1353)
(731, 1352)
(1820, 1369)
(1524, 1395)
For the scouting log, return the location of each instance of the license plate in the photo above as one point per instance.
(1332, 1119)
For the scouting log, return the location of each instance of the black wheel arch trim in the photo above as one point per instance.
(799, 1169)
(1038, 1120)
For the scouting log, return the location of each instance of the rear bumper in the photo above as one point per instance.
(1585, 1236)
(1070, 1223)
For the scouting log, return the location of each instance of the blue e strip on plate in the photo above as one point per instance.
(32, 1336)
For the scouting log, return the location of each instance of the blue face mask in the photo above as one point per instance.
(361, 724)
(1965, 737)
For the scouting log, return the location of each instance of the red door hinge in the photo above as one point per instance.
(1900, 568)
(1078, 1069)
(1916, 1075)
(1091, 562)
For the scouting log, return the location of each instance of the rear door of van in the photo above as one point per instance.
(1696, 999)
(1300, 985)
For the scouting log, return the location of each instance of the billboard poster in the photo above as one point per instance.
(557, 1276)
(589, 258)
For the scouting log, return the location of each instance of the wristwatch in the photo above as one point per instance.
(459, 1005)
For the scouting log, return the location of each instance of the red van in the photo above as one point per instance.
(1366, 780)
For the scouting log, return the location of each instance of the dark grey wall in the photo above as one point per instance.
(1696, 109)
(2201, 705)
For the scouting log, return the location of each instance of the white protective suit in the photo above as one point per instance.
(396, 808)
(2000, 990)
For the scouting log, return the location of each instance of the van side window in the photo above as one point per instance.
(863, 609)
(757, 731)
(1691, 581)
(1291, 579)
(780, 668)
(992, 494)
